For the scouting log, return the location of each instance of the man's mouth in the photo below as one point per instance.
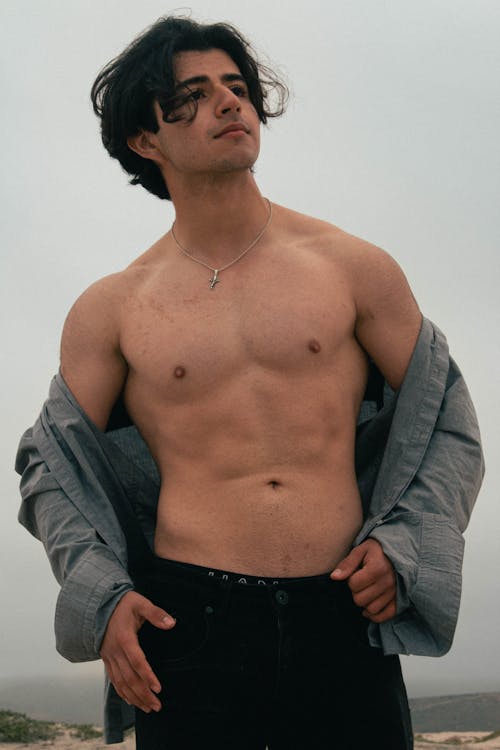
(234, 128)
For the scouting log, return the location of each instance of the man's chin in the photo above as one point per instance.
(226, 166)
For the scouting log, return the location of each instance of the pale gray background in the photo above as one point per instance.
(392, 133)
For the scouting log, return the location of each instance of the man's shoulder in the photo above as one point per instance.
(112, 290)
(320, 236)
(98, 301)
(305, 227)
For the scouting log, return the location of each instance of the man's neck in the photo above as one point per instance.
(216, 219)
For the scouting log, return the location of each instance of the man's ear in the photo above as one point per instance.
(145, 144)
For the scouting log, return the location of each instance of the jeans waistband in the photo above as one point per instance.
(195, 583)
(163, 573)
(178, 568)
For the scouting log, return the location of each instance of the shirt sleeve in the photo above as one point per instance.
(422, 535)
(91, 577)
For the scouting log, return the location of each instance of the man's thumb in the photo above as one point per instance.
(158, 617)
(348, 565)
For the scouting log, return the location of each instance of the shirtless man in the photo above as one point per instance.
(245, 384)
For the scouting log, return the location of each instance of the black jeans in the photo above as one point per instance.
(262, 663)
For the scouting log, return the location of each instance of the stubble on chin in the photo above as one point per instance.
(227, 164)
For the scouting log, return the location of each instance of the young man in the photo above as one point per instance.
(303, 527)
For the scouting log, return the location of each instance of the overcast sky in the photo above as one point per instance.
(392, 133)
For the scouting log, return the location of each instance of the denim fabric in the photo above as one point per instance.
(250, 664)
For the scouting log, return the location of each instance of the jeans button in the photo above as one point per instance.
(281, 597)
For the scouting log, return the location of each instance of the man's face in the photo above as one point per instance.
(224, 135)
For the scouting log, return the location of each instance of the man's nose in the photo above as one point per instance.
(227, 102)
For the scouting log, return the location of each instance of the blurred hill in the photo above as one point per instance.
(76, 701)
(456, 713)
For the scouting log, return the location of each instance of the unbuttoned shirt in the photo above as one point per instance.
(419, 467)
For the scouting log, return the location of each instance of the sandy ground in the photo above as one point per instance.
(463, 740)
(437, 740)
(66, 742)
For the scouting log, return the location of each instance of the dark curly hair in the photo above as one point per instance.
(125, 90)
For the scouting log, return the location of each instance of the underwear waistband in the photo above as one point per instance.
(176, 567)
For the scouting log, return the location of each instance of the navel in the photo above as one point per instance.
(274, 484)
(314, 346)
(179, 371)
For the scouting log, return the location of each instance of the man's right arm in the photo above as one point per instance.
(95, 371)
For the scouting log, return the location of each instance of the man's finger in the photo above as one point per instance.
(130, 695)
(133, 686)
(379, 577)
(382, 588)
(118, 682)
(132, 656)
(374, 606)
(140, 665)
(131, 674)
(155, 615)
(386, 614)
(349, 564)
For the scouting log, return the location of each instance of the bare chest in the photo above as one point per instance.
(291, 320)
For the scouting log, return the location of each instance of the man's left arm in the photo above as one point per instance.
(388, 322)
(421, 537)
(422, 530)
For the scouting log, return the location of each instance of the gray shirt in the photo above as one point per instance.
(419, 467)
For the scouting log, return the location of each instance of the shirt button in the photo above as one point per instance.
(281, 597)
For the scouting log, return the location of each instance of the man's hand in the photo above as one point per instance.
(371, 578)
(125, 663)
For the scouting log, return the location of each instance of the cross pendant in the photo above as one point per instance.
(214, 280)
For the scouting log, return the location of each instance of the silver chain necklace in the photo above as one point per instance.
(216, 271)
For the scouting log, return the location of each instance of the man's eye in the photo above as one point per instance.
(195, 95)
(239, 90)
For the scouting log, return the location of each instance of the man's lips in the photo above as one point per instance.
(234, 127)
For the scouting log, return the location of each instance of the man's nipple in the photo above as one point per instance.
(314, 346)
(179, 371)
